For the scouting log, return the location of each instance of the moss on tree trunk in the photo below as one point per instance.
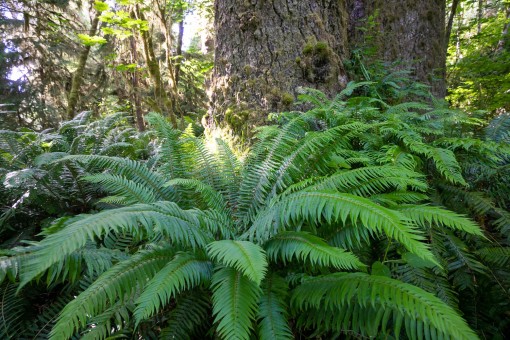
(407, 31)
(74, 94)
(265, 50)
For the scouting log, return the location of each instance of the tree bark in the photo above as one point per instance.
(134, 81)
(166, 26)
(77, 80)
(265, 50)
(504, 34)
(162, 100)
(178, 51)
(407, 31)
(479, 16)
(451, 16)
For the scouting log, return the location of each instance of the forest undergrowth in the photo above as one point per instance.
(368, 215)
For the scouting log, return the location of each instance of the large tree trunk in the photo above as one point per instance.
(265, 50)
(407, 31)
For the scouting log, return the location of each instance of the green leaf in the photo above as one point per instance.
(246, 257)
(426, 215)
(309, 248)
(378, 268)
(332, 207)
(235, 300)
(117, 283)
(88, 40)
(273, 322)
(185, 271)
(341, 292)
(101, 6)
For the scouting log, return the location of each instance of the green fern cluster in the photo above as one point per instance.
(333, 225)
(39, 185)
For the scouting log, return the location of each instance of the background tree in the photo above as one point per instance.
(479, 51)
(43, 34)
(266, 50)
(405, 35)
(77, 78)
(77, 54)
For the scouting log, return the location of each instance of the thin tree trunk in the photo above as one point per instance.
(480, 16)
(504, 34)
(178, 51)
(77, 80)
(166, 24)
(453, 12)
(162, 100)
(134, 81)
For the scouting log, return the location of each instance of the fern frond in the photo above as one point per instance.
(202, 164)
(119, 282)
(331, 206)
(462, 263)
(217, 223)
(352, 237)
(443, 159)
(419, 273)
(231, 167)
(498, 129)
(47, 158)
(108, 322)
(352, 86)
(95, 260)
(246, 257)
(447, 165)
(421, 312)
(179, 225)
(477, 202)
(425, 215)
(12, 310)
(309, 248)
(302, 161)
(129, 191)
(171, 146)
(367, 181)
(499, 256)
(313, 96)
(10, 266)
(132, 170)
(98, 260)
(405, 107)
(261, 168)
(185, 271)
(211, 197)
(502, 223)
(235, 299)
(272, 315)
(191, 311)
